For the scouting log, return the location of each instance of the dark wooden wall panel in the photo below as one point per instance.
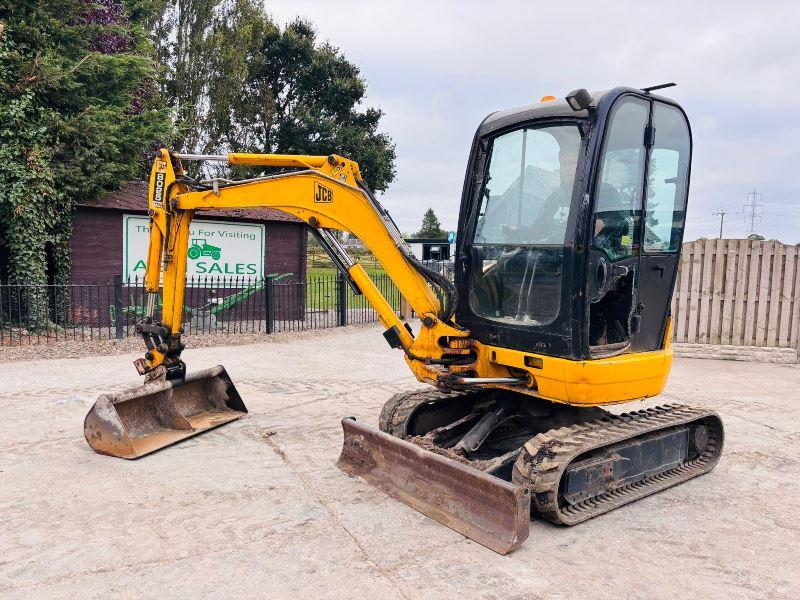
(285, 249)
(96, 244)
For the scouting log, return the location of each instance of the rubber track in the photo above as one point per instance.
(546, 457)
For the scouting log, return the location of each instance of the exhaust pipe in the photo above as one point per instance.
(141, 420)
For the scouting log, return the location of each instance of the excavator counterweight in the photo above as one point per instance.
(569, 236)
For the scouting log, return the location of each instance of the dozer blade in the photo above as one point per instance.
(141, 420)
(489, 510)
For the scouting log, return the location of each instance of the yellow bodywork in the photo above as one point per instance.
(324, 193)
(596, 382)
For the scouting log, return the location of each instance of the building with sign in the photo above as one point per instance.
(110, 236)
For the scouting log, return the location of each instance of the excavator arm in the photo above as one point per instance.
(327, 193)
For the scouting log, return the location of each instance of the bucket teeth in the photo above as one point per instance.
(141, 420)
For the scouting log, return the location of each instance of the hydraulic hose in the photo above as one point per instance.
(449, 291)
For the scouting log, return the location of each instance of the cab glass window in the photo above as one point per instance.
(527, 195)
(618, 195)
(667, 182)
(522, 224)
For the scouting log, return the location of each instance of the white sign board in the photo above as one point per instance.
(217, 250)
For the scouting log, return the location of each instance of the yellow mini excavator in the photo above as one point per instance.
(569, 238)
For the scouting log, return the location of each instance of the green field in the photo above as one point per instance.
(317, 272)
(321, 289)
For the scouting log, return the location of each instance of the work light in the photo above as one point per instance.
(579, 99)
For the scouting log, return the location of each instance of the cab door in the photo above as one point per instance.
(666, 191)
(615, 229)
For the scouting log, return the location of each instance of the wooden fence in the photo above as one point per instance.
(738, 292)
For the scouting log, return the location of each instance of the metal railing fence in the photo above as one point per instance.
(33, 313)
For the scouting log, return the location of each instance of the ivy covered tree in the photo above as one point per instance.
(431, 226)
(238, 82)
(89, 88)
(78, 115)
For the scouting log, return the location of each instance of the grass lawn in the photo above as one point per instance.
(321, 289)
(317, 272)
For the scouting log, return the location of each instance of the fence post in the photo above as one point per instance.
(119, 321)
(270, 304)
(341, 290)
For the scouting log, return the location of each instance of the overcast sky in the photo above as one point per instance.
(438, 68)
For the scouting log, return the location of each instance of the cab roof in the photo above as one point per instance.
(552, 110)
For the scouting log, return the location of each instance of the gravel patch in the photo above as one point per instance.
(135, 345)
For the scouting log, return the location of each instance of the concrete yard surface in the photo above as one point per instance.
(257, 509)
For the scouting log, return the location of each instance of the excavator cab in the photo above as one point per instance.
(571, 224)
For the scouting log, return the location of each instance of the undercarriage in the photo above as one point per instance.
(568, 464)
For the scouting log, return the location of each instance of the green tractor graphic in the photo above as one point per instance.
(201, 247)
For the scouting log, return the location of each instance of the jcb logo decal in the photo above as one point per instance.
(322, 194)
(158, 190)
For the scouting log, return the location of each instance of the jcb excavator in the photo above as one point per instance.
(569, 237)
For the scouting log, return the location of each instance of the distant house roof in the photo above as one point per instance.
(132, 197)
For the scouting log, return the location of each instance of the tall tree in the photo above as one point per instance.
(181, 32)
(431, 227)
(77, 116)
(238, 82)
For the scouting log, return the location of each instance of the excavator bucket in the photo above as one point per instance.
(489, 510)
(141, 420)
